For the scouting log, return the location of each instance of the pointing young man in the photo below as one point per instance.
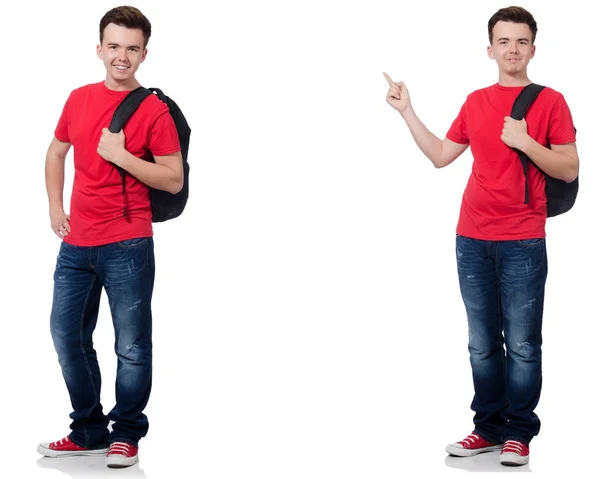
(500, 242)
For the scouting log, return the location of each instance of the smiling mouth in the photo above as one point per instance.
(121, 68)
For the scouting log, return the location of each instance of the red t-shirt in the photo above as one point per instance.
(97, 198)
(493, 205)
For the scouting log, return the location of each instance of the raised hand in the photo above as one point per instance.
(397, 95)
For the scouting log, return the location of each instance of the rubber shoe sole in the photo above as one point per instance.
(456, 449)
(512, 459)
(116, 461)
(44, 450)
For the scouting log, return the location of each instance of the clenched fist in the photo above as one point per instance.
(59, 222)
(111, 146)
(514, 133)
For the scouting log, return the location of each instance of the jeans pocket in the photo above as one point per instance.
(530, 242)
(132, 243)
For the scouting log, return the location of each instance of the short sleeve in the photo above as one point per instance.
(164, 139)
(458, 130)
(561, 128)
(62, 129)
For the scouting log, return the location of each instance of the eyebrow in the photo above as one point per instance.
(117, 45)
(518, 39)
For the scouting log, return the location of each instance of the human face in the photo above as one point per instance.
(512, 48)
(122, 51)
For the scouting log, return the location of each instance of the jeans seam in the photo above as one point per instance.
(147, 253)
(87, 365)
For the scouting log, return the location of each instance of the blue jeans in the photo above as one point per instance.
(502, 285)
(126, 271)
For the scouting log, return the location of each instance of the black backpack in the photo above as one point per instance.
(165, 205)
(560, 195)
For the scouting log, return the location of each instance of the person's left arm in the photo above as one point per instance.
(561, 159)
(167, 171)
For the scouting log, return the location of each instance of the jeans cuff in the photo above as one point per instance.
(124, 439)
(487, 438)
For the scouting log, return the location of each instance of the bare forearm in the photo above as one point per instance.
(428, 143)
(55, 180)
(151, 174)
(553, 163)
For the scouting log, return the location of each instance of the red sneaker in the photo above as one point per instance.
(514, 453)
(122, 454)
(66, 447)
(471, 445)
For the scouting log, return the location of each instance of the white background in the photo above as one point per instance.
(308, 321)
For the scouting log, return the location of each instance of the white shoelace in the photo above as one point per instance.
(471, 438)
(513, 446)
(60, 443)
(119, 448)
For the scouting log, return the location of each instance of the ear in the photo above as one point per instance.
(99, 51)
(490, 52)
(532, 51)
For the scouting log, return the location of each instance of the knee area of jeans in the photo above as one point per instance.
(63, 339)
(524, 349)
(482, 351)
(135, 352)
(480, 344)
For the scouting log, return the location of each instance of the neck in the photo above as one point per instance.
(519, 79)
(112, 84)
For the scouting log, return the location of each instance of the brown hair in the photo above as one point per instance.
(514, 15)
(128, 17)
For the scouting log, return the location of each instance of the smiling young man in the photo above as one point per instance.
(107, 241)
(500, 241)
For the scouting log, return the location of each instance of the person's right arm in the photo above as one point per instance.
(440, 152)
(55, 179)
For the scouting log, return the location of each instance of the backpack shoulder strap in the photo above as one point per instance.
(519, 110)
(127, 108)
(183, 128)
(124, 111)
(525, 100)
(162, 97)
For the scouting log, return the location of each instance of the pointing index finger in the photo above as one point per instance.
(389, 80)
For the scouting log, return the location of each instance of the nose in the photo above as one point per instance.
(122, 55)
